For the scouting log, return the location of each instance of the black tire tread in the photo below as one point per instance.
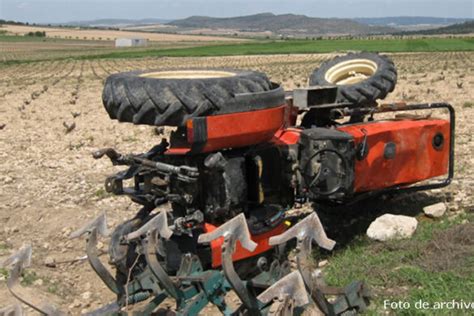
(378, 86)
(128, 97)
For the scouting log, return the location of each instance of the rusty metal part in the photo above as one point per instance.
(18, 261)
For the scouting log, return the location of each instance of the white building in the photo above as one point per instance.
(131, 42)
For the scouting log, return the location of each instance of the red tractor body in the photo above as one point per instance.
(399, 152)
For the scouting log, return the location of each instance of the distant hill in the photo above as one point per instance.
(115, 22)
(461, 28)
(409, 21)
(282, 24)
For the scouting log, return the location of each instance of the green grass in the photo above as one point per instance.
(4, 272)
(306, 46)
(102, 194)
(29, 277)
(402, 270)
(17, 38)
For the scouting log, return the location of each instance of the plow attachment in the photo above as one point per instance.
(275, 290)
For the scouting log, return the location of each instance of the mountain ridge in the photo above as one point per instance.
(410, 20)
(283, 23)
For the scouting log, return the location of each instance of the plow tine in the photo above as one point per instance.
(99, 223)
(306, 232)
(237, 227)
(97, 265)
(153, 229)
(23, 256)
(151, 244)
(292, 285)
(19, 261)
(309, 228)
(158, 223)
(12, 310)
(92, 229)
(235, 230)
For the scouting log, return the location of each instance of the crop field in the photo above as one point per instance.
(311, 46)
(52, 118)
(61, 43)
(91, 34)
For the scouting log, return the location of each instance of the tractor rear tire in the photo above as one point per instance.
(361, 78)
(171, 97)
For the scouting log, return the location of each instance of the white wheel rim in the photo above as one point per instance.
(351, 71)
(188, 74)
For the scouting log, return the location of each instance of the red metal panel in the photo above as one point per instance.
(242, 253)
(415, 157)
(289, 136)
(178, 151)
(240, 129)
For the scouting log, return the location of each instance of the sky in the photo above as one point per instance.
(56, 11)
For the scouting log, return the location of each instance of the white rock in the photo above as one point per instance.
(50, 262)
(435, 210)
(38, 282)
(7, 179)
(322, 263)
(75, 304)
(389, 226)
(86, 295)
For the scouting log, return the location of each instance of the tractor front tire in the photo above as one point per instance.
(361, 78)
(171, 97)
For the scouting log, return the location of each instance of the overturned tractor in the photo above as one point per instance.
(216, 197)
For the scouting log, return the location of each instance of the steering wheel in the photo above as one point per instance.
(326, 172)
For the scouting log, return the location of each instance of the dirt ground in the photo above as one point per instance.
(50, 184)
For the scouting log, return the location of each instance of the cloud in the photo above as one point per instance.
(22, 5)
